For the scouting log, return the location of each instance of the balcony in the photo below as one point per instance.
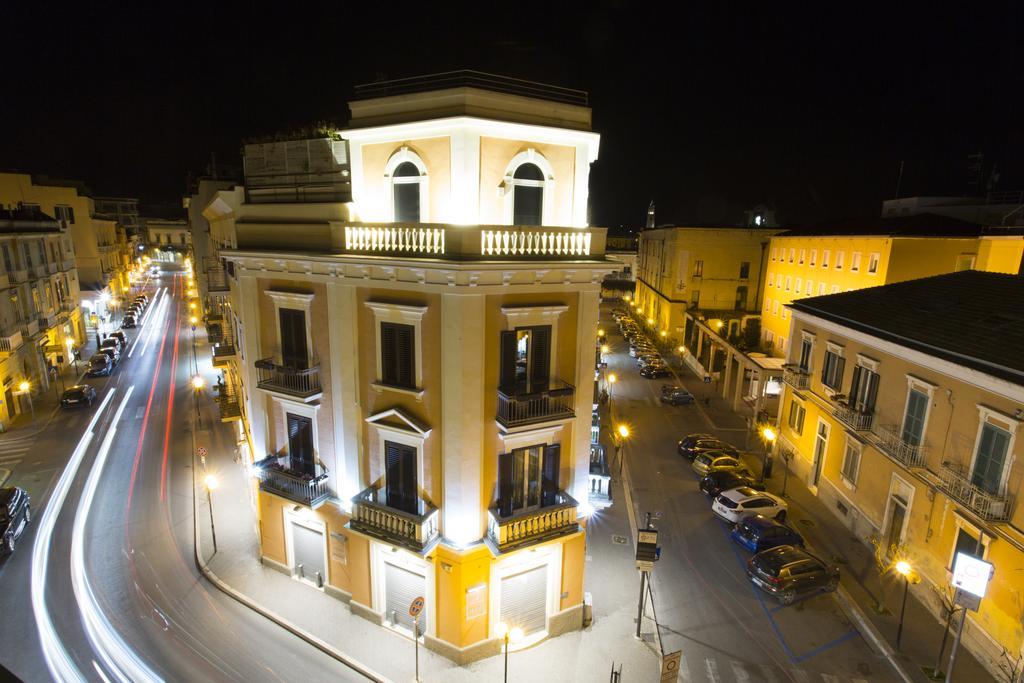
(521, 529)
(51, 267)
(18, 275)
(216, 279)
(854, 418)
(67, 264)
(11, 343)
(230, 410)
(797, 377)
(30, 328)
(222, 353)
(371, 515)
(296, 382)
(275, 477)
(46, 321)
(956, 483)
(890, 441)
(519, 406)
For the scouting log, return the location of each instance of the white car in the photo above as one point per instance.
(736, 504)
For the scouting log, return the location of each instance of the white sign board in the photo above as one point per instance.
(971, 574)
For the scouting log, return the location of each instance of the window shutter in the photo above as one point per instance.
(508, 359)
(540, 352)
(549, 483)
(854, 385)
(829, 360)
(840, 367)
(872, 394)
(406, 359)
(505, 483)
(388, 354)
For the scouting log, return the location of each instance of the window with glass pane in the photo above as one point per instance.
(851, 462)
(406, 188)
(863, 389)
(991, 457)
(528, 195)
(805, 354)
(832, 370)
(913, 421)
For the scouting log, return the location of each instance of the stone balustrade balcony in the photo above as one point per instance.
(536, 525)
(416, 531)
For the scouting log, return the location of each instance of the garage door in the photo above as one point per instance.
(308, 546)
(524, 599)
(401, 587)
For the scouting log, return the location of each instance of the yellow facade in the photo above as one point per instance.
(814, 265)
(929, 482)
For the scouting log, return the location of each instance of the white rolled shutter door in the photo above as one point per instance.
(524, 600)
(401, 588)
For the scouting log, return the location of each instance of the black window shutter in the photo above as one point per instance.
(388, 354)
(505, 462)
(549, 483)
(872, 395)
(508, 359)
(840, 367)
(406, 358)
(854, 385)
(540, 352)
(829, 358)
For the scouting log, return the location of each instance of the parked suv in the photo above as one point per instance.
(78, 395)
(15, 515)
(100, 364)
(758, 533)
(110, 347)
(717, 481)
(737, 504)
(786, 572)
(699, 443)
(711, 461)
(128, 321)
(675, 395)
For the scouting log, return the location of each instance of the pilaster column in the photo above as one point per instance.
(345, 398)
(728, 373)
(249, 297)
(588, 316)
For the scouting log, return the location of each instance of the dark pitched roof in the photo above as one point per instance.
(919, 225)
(972, 318)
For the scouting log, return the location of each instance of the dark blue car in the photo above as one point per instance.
(759, 533)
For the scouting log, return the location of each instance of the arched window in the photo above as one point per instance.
(528, 195)
(406, 192)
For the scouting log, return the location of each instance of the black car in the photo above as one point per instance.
(128, 321)
(705, 442)
(100, 364)
(655, 371)
(109, 347)
(759, 533)
(717, 481)
(117, 341)
(78, 395)
(121, 337)
(15, 515)
(786, 572)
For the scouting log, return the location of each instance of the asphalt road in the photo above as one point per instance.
(126, 601)
(708, 609)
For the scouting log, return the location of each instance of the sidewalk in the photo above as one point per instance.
(585, 655)
(862, 588)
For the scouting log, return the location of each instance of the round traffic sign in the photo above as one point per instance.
(416, 606)
(202, 451)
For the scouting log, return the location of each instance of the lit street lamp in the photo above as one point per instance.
(509, 635)
(769, 436)
(903, 567)
(623, 431)
(25, 390)
(211, 483)
(197, 384)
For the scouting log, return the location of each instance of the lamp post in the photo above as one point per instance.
(192, 322)
(211, 483)
(904, 568)
(197, 384)
(769, 436)
(509, 636)
(623, 431)
(25, 389)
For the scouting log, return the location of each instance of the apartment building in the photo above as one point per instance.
(40, 321)
(169, 240)
(101, 248)
(413, 304)
(902, 409)
(841, 258)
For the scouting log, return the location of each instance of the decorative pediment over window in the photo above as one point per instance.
(398, 420)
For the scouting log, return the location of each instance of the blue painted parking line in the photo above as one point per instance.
(821, 648)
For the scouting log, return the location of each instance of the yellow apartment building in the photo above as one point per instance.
(903, 408)
(408, 342)
(842, 258)
(40, 321)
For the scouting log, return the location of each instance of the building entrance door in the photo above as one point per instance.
(820, 444)
(524, 600)
(401, 587)
(897, 514)
(308, 554)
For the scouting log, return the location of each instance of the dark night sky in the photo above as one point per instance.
(706, 112)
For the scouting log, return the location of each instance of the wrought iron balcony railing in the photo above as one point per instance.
(529, 404)
(417, 531)
(532, 526)
(230, 409)
(300, 382)
(796, 376)
(223, 352)
(276, 477)
(853, 417)
(10, 343)
(956, 482)
(891, 442)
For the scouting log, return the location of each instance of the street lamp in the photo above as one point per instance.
(197, 385)
(211, 483)
(623, 431)
(903, 567)
(509, 635)
(605, 348)
(769, 436)
(25, 389)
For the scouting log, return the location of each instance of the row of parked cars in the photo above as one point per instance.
(650, 362)
(108, 356)
(781, 566)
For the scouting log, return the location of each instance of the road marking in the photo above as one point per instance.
(739, 672)
(139, 412)
(712, 668)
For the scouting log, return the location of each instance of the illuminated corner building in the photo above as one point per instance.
(414, 303)
(903, 409)
(700, 287)
(169, 241)
(99, 248)
(40, 321)
(849, 256)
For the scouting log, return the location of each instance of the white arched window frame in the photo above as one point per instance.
(530, 156)
(397, 159)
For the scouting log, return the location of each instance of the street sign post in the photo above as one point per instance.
(971, 575)
(646, 556)
(415, 608)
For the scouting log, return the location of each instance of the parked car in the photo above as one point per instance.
(143, 299)
(655, 371)
(639, 349)
(706, 442)
(121, 336)
(100, 364)
(758, 533)
(110, 347)
(676, 395)
(78, 395)
(649, 359)
(715, 482)
(709, 461)
(787, 571)
(128, 321)
(116, 340)
(736, 504)
(15, 514)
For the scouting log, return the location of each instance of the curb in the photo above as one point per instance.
(5, 474)
(871, 633)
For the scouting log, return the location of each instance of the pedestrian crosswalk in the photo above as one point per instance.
(714, 670)
(13, 450)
